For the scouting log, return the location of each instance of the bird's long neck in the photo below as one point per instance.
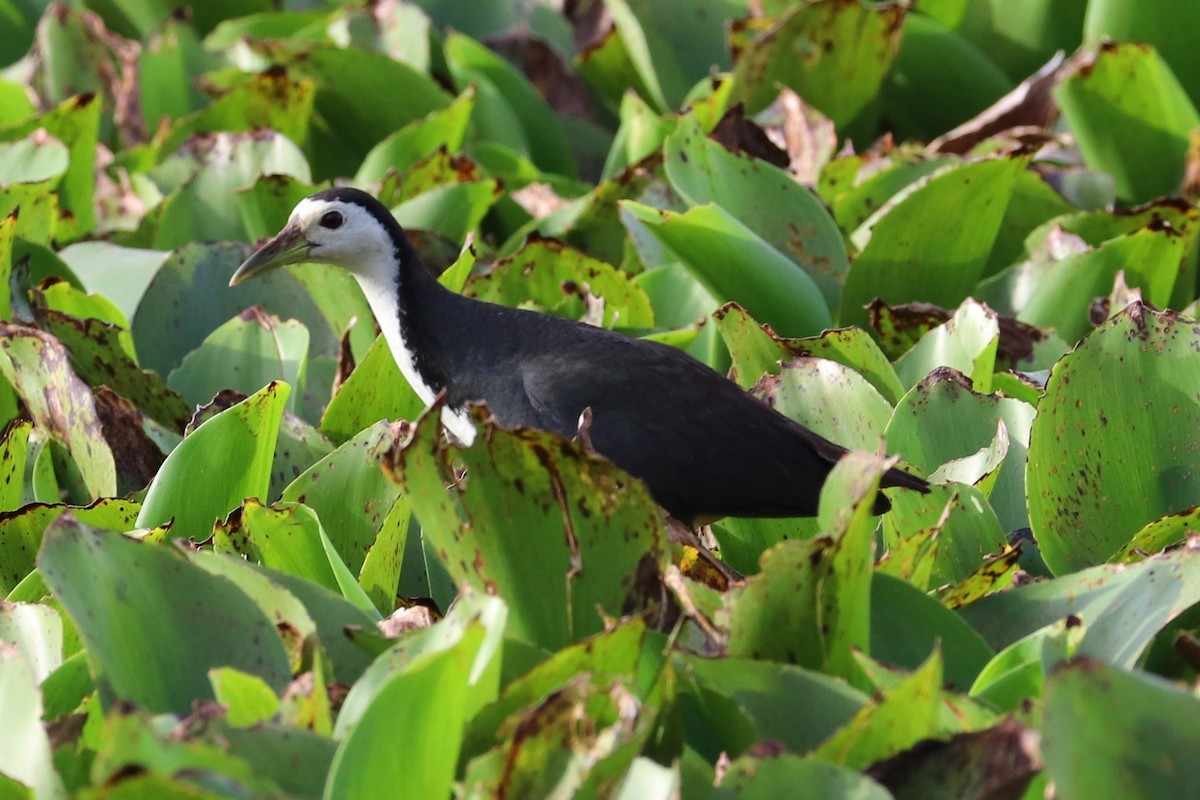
(398, 293)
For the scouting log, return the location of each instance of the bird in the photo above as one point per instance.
(705, 448)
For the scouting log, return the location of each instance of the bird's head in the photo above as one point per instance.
(344, 227)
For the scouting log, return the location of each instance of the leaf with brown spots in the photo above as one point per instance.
(99, 359)
(555, 532)
(39, 368)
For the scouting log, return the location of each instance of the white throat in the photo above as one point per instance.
(381, 293)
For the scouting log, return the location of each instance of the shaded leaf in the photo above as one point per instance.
(103, 578)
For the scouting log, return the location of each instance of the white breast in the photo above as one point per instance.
(382, 297)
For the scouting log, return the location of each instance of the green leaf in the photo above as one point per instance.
(266, 205)
(499, 533)
(788, 775)
(443, 127)
(99, 358)
(966, 528)
(1131, 118)
(833, 55)
(593, 222)
(1102, 464)
(923, 98)
(224, 164)
(350, 493)
(106, 582)
(166, 64)
(32, 160)
(225, 460)
(348, 108)
(932, 241)
(1119, 605)
(202, 270)
(1156, 536)
(431, 693)
(607, 656)
(35, 632)
(270, 100)
(907, 624)
(1018, 672)
(298, 446)
(943, 419)
(507, 108)
(1165, 27)
(25, 749)
(967, 342)
(374, 391)
(442, 193)
(244, 354)
(766, 199)
(75, 123)
(756, 350)
(733, 703)
(248, 700)
(332, 614)
(819, 626)
(1019, 36)
(640, 135)
(287, 538)
(21, 529)
(904, 716)
(855, 198)
(14, 451)
(560, 280)
(38, 367)
(1094, 716)
(679, 300)
(830, 399)
(121, 274)
(1064, 293)
(473, 614)
(131, 742)
(734, 263)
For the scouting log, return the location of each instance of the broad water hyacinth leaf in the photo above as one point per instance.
(75, 123)
(532, 501)
(763, 197)
(375, 390)
(814, 47)
(21, 531)
(1120, 606)
(734, 263)
(229, 456)
(917, 248)
(39, 368)
(830, 399)
(255, 346)
(1093, 712)
(565, 282)
(1104, 462)
(1130, 85)
(103, 579)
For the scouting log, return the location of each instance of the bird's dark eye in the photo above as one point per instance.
(331, 220)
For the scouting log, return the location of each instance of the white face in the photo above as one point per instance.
(344, 235)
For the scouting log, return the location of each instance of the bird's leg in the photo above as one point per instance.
(684, 534)
(583, 430)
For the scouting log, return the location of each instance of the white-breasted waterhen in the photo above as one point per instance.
(705, 448)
